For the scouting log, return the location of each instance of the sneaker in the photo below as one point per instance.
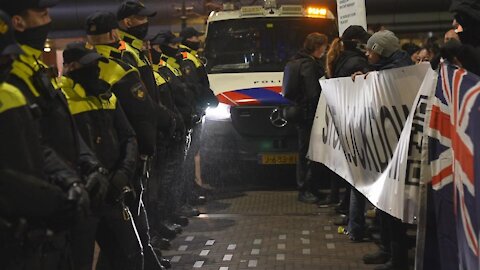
(307, 197)
(327, 202)
(379, 257)
(342, 220)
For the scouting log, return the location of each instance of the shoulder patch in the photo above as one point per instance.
(138, 91)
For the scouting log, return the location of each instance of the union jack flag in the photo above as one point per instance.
(454, 148)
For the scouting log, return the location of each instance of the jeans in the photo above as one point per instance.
(306, 169)
(356, 216)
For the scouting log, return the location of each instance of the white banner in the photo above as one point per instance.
(370, 132)
(351, 12)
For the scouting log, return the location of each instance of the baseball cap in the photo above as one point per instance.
(133, 7)
(8, 45)
(165, 37)
(78, 52)
(355, 32)
(17, 6)
(189, 32)
(384, 43)
(100, 22)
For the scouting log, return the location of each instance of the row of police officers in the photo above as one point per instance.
(85, 155)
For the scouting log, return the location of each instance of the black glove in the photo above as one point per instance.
(119, 188)
(96, 183)
(77, 195)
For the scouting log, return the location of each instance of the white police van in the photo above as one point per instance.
(246, 50)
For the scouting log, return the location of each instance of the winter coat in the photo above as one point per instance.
(301, 86)
(349, 62)
(396, 60)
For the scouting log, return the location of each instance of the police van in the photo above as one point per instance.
(246, 50)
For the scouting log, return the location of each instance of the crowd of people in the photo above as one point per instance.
(87, 154)
(356, 53)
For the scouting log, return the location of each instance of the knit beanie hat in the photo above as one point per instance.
(384, 43)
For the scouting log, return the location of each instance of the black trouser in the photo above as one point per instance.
(441, 244)
(189, 167)
(141, 221)
(306, 169)
(393, 234)
(116, 237)
(43, 253)
(165, 191)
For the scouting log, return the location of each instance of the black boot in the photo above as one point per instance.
(182, 220)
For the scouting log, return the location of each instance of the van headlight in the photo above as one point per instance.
(221, 112)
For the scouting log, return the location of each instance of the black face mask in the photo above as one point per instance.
(169, 50)
(34, 37)
(192, 45)
(156, 56)
(139, 31)
(88, 77)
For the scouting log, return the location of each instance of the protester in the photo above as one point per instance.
(451, 35)
(383, 52)
(345, 57)
(300, 86)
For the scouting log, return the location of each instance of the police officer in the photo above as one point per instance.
(195, 74)
(21, 172)
(133, 18)
(104, 126)
(167, 44)
(138, 105)
(171, 148)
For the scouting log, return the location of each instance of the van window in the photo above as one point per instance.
(259, 44)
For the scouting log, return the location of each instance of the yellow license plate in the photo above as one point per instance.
(273, 159)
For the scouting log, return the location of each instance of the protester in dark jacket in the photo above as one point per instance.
(465, 53)
(383, 52)
(345, 57)
(301, 86)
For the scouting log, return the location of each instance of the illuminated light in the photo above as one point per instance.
(47, 49)
(317, 12)
(221, 112)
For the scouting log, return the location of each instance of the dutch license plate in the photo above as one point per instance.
(273, 159)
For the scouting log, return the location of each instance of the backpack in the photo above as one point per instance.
(292, 79)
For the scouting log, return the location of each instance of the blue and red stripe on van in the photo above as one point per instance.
(254, 96)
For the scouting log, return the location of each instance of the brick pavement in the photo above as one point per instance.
(265, 230)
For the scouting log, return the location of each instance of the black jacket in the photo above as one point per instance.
(104, 127)
(397, 59)
(137, 104)
(182, 98)
(301, 85)
(349, 62)
(54, 121)
(195, 71)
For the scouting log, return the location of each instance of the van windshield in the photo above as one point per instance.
(259, 44)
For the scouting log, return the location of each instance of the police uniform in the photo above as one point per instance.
(105, 128)
(140, 109)
(195, 74)
(22, 167)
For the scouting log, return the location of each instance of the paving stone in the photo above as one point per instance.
(258, 223)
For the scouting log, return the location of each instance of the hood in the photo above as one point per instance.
(397, 59)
